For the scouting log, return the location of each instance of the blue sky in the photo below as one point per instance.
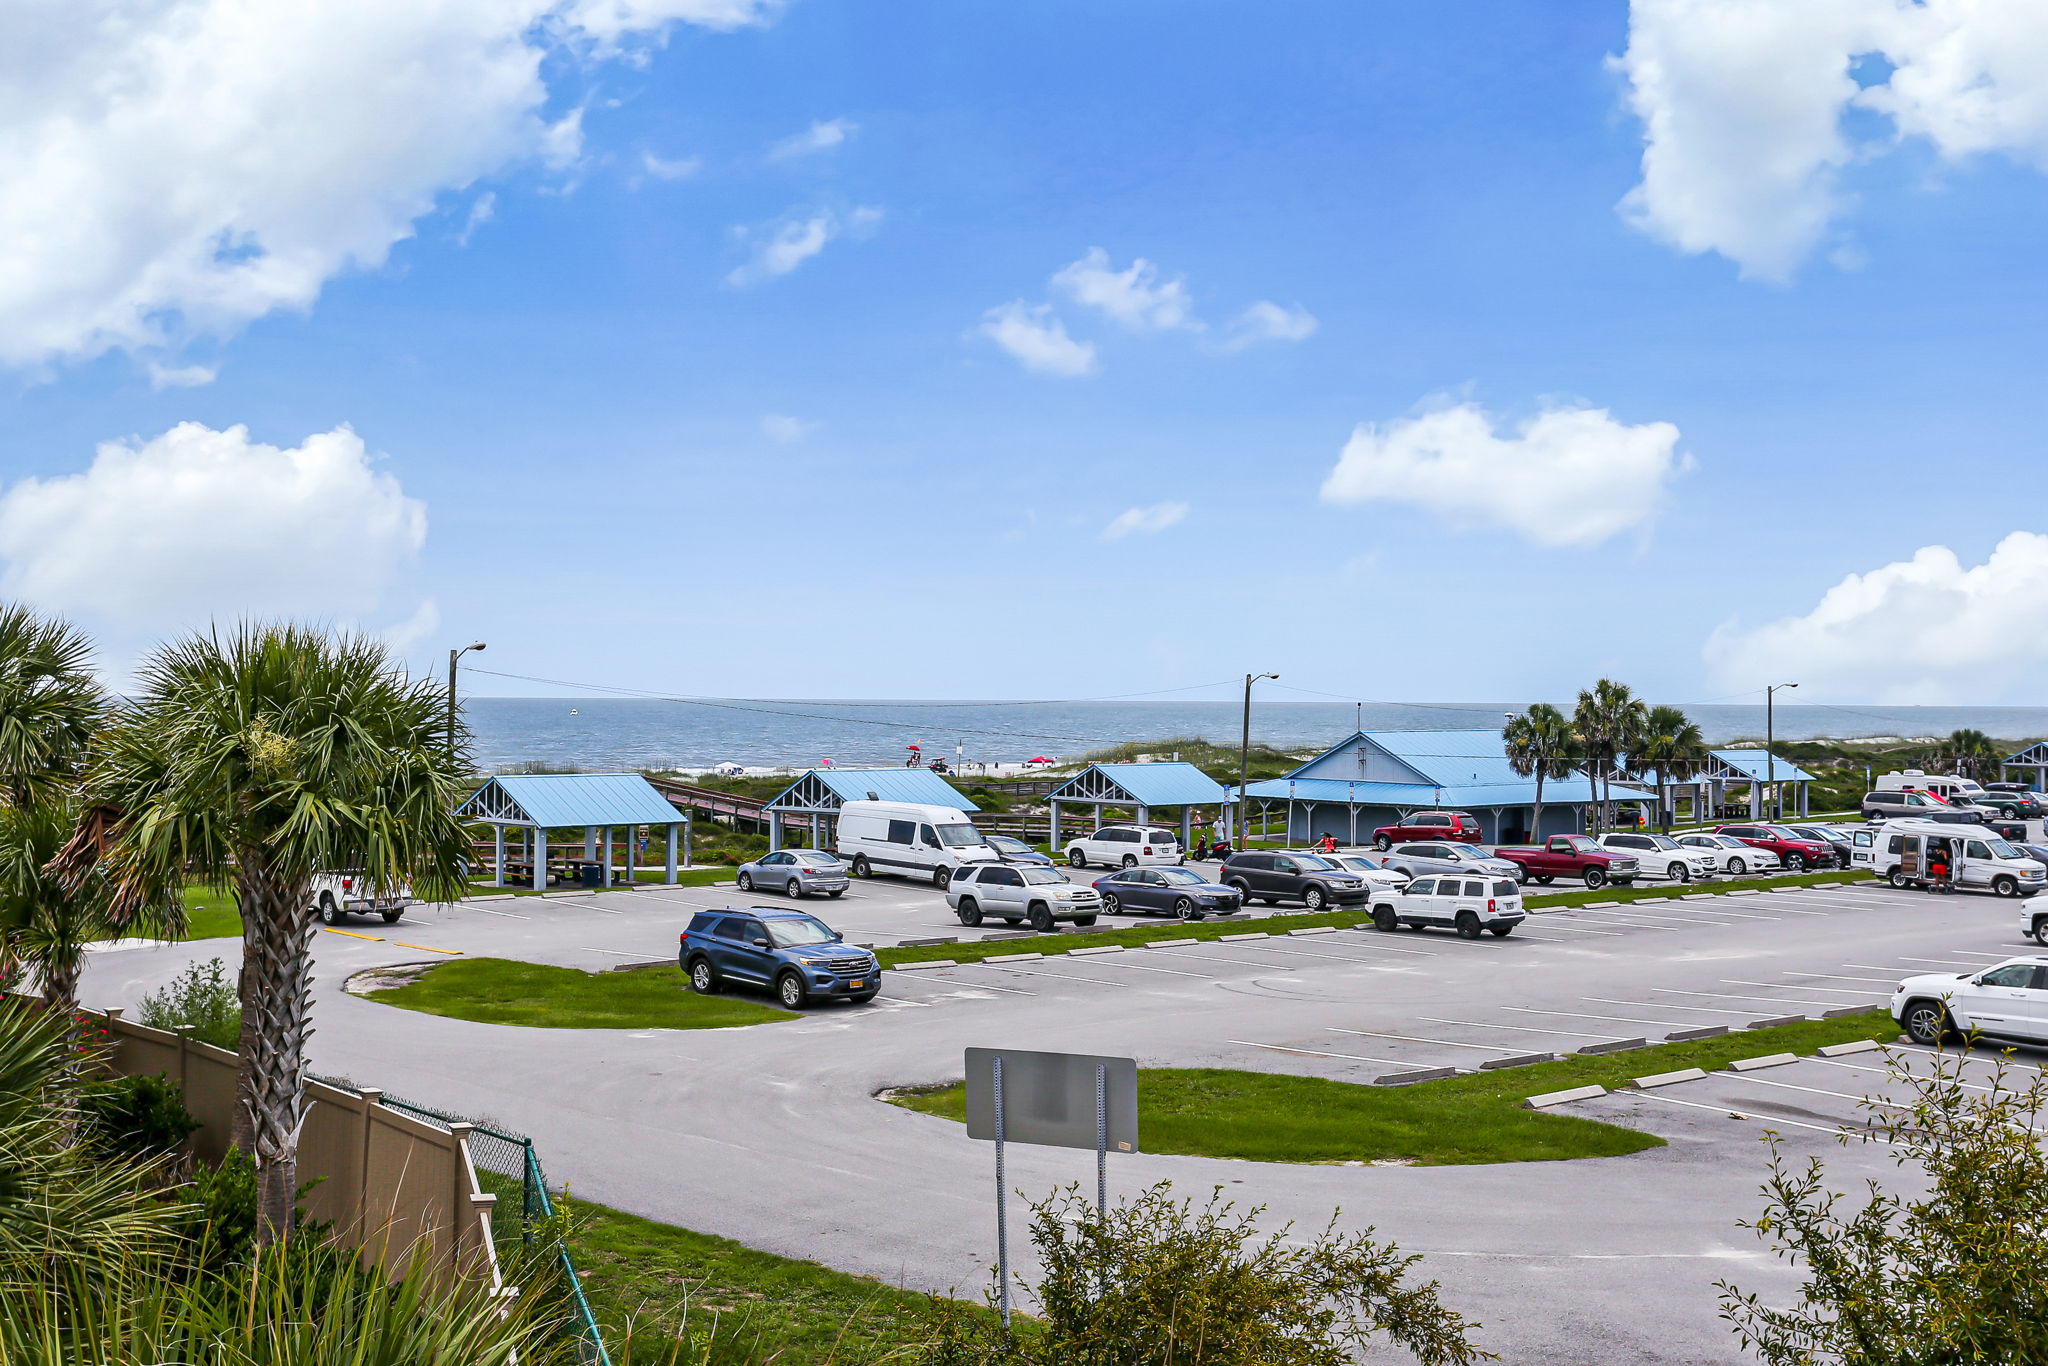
(598, 432)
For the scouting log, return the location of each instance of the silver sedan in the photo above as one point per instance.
(1417, 859)
(795, 873)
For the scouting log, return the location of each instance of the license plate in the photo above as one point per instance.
(857, 983)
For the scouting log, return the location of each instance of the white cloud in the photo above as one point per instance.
(1922, 630)
(1133, 297)
(1144, 521)
(197, 523)
(780, 250)
(1266, 321)
(482, 211)
(819, 137)
(681, 168)
(1037, 340)
(1743, 103)
(177, 168)
(181, 376)
(1568, 476)
(785, 429)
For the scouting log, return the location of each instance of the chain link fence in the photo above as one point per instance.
(509, 1168)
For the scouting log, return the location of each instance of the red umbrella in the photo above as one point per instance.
(913, 746)
(1041, 759)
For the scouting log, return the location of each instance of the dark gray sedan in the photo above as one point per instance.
(795, 873)
(1179, 892)
(1417, 859)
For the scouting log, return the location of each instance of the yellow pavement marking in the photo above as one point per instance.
(400, 943)
(374, 939)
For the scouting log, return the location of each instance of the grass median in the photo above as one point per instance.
(1480, 1118)
(973, 951)
(500, 991)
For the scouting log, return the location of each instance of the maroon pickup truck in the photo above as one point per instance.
(1571, 856)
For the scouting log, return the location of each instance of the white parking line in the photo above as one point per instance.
(616, 953)
(1410, 1038)
(1212, 958)
(1056, 976)
(1839, 977)
(1304, 953)
(1973, 953)
(1949, 962)
(1316, 1053)
(1796, 986)
(1815, 1090)
(488, 911)
(1550, 922)
(1736, 996)
(1642, 919)
(1123, 961)
(894, 979)
(1882, 967)
(1522, 1029)
(1696, 911)
(1582, 1015)
(1389, 948)
(1608, 918)
(1886, 1072)
(1664, 1005)
(1771, 1120)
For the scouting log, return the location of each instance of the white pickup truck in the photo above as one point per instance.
(336, 895)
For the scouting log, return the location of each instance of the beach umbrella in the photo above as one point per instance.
(913, 746)
(1041, 759)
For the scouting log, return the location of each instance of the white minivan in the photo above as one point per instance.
(910, 839)
(1978, 859)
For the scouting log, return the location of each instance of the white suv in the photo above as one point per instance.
(336, 895)
(1467, 904)
(1730, 854)
(2008, 1000)
(1010, 892)
(1662, 856)
(1125, 846)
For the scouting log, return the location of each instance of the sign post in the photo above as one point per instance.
(1015, 1095)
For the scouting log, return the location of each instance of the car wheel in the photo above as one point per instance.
(793, 889)
(1796, 862)
(1243, 890)
(942, 878)
(2005, 886)
(1468, 925)
(1084, 921)
(1184, 909)
(1595, 878)
(1927, 1022)
(969, 912)
(790, 990)
(1679, 873)
(1384, 919)
(841, 892)
(1130, 860)
(1313, 899)
(744, 882)
(1269, 901)
(1382, 843)
(1039, 917)
(703, 977)
(329, 912)
(1076, 859)
(1737, 866)
(1898, 879)
(1501, 931)
(391, 917)
(860, 866)
(2040, 930)
(1543, 879)
(1110, 905)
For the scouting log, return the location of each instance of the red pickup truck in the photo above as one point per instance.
(1571, 856)
(1455, 827)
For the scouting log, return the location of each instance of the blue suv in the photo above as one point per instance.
(795, 955)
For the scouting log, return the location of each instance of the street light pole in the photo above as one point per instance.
(1244, 763)
(1770, 758)
(454, 655)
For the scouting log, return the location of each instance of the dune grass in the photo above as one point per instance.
(500, 991)
(1480, 1118)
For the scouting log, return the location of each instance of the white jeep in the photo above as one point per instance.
(336, 895)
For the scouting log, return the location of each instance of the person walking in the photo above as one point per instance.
(1940, 867)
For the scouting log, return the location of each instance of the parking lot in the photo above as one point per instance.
(1550, 1255)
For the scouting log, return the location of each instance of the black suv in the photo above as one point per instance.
(1273, 878)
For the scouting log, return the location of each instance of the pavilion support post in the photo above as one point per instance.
(540, 859)
(689, 834)
(1144, 815)
(774, 829)
(632, 854)
(1756, 801)
(607, 837)
(1803, 808)
(1054, 842)
(671, 878)
(499, 832)
(817, 831)
(589, 842)
(1187, 827)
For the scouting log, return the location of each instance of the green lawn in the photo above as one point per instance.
(210, 914)
(499, 991)
(1267, 1117)
(1146, 930)
(643, 877)
(795, 1313)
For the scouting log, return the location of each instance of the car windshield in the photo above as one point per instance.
(1034, 877)
(817, 856)
(1313, 862)
(1471, 851)
(794, 934)
(1783, 832)
(1008, 844)
(1180, 877)
(960, 836)
(1661, 841)
(2000, 849)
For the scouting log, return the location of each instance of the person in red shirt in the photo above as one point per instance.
(1939, 868)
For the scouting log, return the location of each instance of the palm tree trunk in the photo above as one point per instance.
(60, 984)
(1592, 792)
(1536, 817)
(270, 1088)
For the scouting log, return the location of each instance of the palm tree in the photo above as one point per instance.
(49, 703)
(253, 761)
(1973, 753)
(1674, 745)
(45, 924)
(1540, 745)
(1607, 721)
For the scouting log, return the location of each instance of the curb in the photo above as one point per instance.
(1098, 948)
(1012, 957)
(1167, 943)
(1836, 1050)
(1840, 1012)
(1697, 1032)
(925, 966)
(1518, 1060)
(1409, 1078)
(1550, 1098)
(1774, 1021)
(1666, 1078)
(1614, 1046)
(1767, 1060)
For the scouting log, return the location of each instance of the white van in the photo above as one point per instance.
(1978, 859)
(1940, 784)
(909, 839)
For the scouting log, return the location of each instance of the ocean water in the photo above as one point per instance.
(622, 733)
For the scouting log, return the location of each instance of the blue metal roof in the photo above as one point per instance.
(1755, 763)
(919, 785)
(1451, 796)
(576, 799)
(1447, 757)
(1172, 784)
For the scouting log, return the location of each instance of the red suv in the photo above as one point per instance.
(1455, 827)
(1798, 852)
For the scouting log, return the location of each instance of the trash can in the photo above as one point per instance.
(592, 874)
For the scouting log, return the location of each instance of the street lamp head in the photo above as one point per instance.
(477, 646)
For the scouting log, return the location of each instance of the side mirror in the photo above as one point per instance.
(762, 944)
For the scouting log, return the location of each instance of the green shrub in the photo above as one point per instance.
(200, 1001)
(134, 1118)
(224, 1208)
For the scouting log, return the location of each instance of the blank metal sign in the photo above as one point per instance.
(1049, 1098)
